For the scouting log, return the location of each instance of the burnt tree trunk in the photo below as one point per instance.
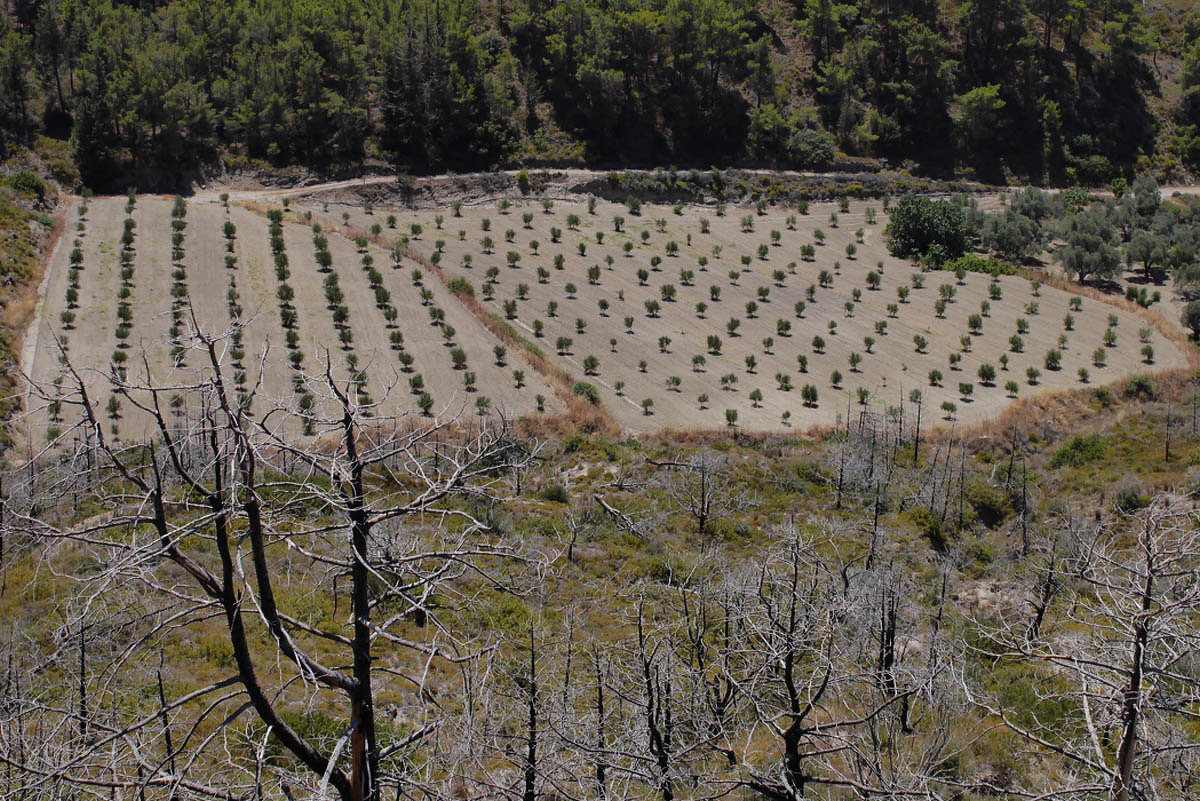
(1131, 708)
(364, 755)
(529, 774)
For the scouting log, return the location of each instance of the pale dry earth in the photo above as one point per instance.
(91, 339)
(888, 373)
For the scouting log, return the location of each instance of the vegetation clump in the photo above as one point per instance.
(1080, 450)
(931, 230)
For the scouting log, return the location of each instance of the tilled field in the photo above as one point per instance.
(127, 306)
(630, 303)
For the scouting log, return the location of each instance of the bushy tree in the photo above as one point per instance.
(924, 228)
(1148, 249)
(1012, 235)
(1034, 203)
(810, 149)
(1088, 250)
(1191, 318)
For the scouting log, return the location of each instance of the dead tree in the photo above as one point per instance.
(889, 654)
(1115, 661)
(711, 633)
(809, 688)
(639, 730)
(1051, 570)
(917, 399)
(701, 487)
(601, 744)
(232, 520)
(658, 708)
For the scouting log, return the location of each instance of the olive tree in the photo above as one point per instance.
(1088, 250)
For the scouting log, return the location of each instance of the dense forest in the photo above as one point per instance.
(1057, 91)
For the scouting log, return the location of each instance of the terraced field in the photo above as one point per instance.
(666, 316)
(693, 316)
(130, 307)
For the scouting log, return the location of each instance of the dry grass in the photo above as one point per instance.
(702, 437)
(19, 311)
(1067, 410)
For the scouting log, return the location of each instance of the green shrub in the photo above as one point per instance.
(990, 504)
(587, 390)
(810, 149)
(1037, 697)
(1080, 450)
(497, 612)
(1140, 387)
(315, 726)
(1104, 397)
(573, 443)
(930, 527)
(974, 263)
(980, 554)
(26, 183)
(556, 493)
(728, 529)
(1129, 498)
(461, 286)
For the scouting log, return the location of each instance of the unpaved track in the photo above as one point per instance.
(29, 345)
(213, 192)
(561, 179)
(238, 196)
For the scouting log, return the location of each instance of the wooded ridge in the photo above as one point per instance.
(1042, 91)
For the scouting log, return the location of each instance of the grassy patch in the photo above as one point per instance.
(1080, 450)
(56, 157)
(21, 247)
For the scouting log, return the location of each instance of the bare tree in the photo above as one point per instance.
(712, 631)
(813, 687)
(701, 487)
(321, 571)
(634, 725)
(1111, 659)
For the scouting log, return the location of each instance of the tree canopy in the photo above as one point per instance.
(930, 229)
(1012, 235)
(1054, 92)
(1088, 250)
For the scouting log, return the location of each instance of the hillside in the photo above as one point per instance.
(315, 502)
(156, 94)
(945, 616)
(30, 227)
(698, 400)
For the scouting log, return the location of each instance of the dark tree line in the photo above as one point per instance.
(1094, 237)
(1052, 91)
